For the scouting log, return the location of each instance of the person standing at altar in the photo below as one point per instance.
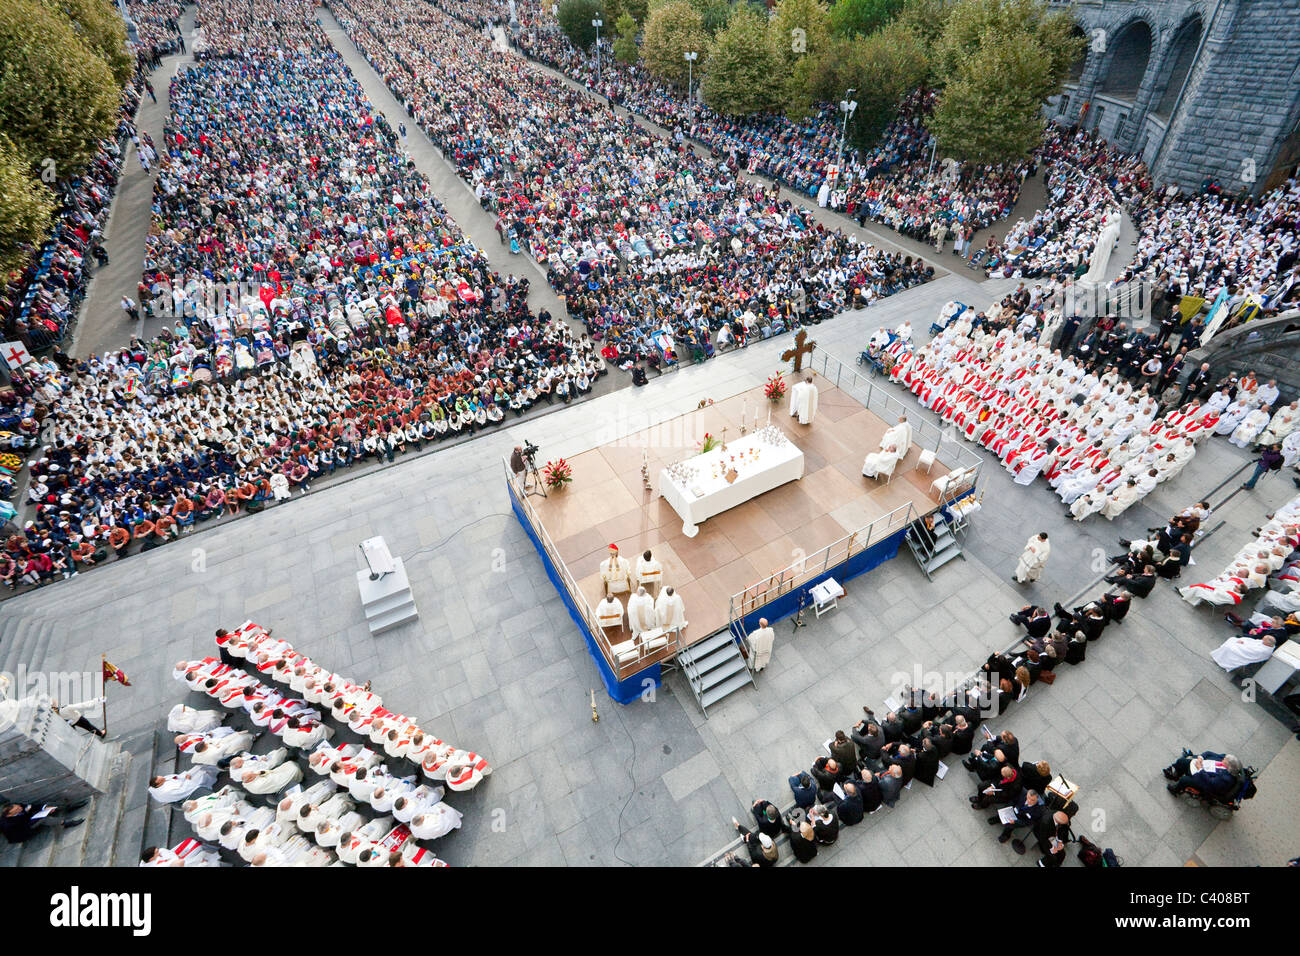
(1032, 559)
(640, 613)
(670, 611)
(616, 573)
(803, 401)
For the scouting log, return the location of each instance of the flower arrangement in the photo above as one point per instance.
(708, 443)
(775, 388)
(557, 473)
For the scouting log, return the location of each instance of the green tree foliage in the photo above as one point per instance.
(625, 48)
(639, 9)
(880, 68)
(26, 207)
(850, 18)
(800, 29)
(672, 29)
(715, 14)
(57, 97)
(997, 61)
(744, 71)
(99, 24)
(925, 18)
(575, 18)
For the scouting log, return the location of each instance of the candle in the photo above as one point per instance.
(769, 415)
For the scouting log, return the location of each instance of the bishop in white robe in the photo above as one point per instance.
(178, 786)
(649, 570)
(803, 401)
(187, 720)
(616, 572)
(1250, 428)
(609, 612)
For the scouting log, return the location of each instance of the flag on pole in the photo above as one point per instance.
(1218, 313)
(115, 673)
(15, 354)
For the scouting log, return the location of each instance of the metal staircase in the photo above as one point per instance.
(949, 530)
(714, 668)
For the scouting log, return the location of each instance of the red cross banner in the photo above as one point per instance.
(15, 354)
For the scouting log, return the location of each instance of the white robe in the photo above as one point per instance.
(640, 613)
(618, 578)
(882, 462)
(1250, 428)
(437, 820)
(178, 786)
(609, 613)
(187, 720)
(1032, 559)
(761, 641)
(648, 572)
(670, 611)
(803, 402)
(1239, 651)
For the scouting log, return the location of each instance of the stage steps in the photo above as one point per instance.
(387, 601)
(946, 548)
(714, 668)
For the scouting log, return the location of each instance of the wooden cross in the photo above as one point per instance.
(801, 348)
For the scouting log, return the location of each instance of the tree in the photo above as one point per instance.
(991, 110)
(625, 48)
(925, 18)
(743, 74)
(715, 14)
(99, 24)
(881, 69)
(639, 9)
(997, 62)
(672, 29)
(575, 16)
(26, 207)
(57, 98)
(850, 18)
(977, 24)
(799, 29)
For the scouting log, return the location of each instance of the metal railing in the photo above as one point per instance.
(768, 589)
(928, 434)
(621, 670)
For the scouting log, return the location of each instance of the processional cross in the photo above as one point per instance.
(801, 348)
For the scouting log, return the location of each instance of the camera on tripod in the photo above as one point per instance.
(530, 455)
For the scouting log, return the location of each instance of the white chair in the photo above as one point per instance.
(927, 459)
(887, 472)
(625, 653)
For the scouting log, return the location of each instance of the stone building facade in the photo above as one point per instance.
(1202, 89)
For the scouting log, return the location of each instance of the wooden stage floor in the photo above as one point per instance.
(607, 502)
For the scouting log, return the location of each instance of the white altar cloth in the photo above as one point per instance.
(704, 495)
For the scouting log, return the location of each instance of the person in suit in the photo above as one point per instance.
(1003, 791)
(1116, 604)
(804, 790)
(1035, 620)
(19, 821)
(869, 739)
(900, 755)
(1213, 774)
(826, 826)
(1052, 833)
(1139, 584)
(869, 789)
(1029, 809)
(1197, 383)
(892, 727)
(850, 809)
(844, 751)
(768, 817)
(963, 735)
(891, 784)
(803, 841)
(761, 847)
(1036, 776)
(927, 763)
(827, 772)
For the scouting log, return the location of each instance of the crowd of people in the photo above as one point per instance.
(1088, 419)
(325, 311)
(324, 822)
(656, 249)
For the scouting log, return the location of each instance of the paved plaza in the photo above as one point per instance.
(496, 665)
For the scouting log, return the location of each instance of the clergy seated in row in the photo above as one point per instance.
(1238, 652)
(803, 401)
(894, 446)
(616, 572)
(609, 612)
(187, 720)
(178, 786)
(641, 613)
(649, 571)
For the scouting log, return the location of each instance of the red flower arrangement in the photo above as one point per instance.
(775, 388)
(707, 445)
(557, 473)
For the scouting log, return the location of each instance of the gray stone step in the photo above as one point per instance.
(102, 827)
(717, 658)
(940, 558)
(715, 694)
(390, 619)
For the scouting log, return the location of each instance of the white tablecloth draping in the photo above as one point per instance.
(704, 496)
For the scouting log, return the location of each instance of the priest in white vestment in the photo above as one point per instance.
(273, 780)
(1033, 558)
(1251, 427)
(1240, 651)
(178, 786)
(649, 570)
(1281, 425)
(641, 613)
(439, 819)
(761, 642)
(670, 611)
(609, 612)
(1121, 499)
(803, 401)
(187, 720)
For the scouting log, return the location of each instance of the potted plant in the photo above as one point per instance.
(707, 444)
(775, 388)
(557, 474)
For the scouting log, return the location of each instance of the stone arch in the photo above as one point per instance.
(1129, 56)
(1178, 59)
(1077, 67)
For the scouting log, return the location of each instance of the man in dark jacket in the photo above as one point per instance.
(804, 790)
(869, 739)
(900, 755)
(927, 762)
(850, 808)
(1035, 620)
(891, 784)
(20, 822)
(768, 817)
(1028, 809)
